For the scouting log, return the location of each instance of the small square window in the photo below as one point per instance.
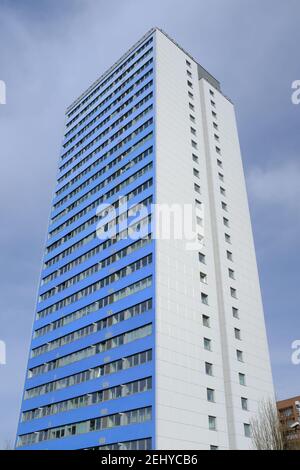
(196, 173)
(231, 273)
(217, 138)
(237, 333)
(215, 125)
(204, 298)
(222, 191)
(242, 379)
(218, 150)
(221, 176)
(188, 63)
(208, 368)
(233, 292)
(199, 221)
(191, 106)
(224, 206)
(189, 73)
(207, 344)
(229, 255)
(212, 423)
(193, 131)
(213, 103)
(192, 118)
(235, 312)
(210, 393)
(225, 222)
(211, 92)
(247, 430)
(190, 84)
(219, 163)
(194, 144)
(206, 321)
(244, 403)
(203, 278)
(214, 114)
(227, 238)
(191, 96)
(195, 158)
(197, 188)
(239, 355)
(198, 204)
(214, 447)
(202, 258)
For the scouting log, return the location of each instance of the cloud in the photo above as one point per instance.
(51, 51)
(276, 185)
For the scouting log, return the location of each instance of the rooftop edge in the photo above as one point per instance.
(203, 73)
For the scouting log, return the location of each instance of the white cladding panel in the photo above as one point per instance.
(182, 409)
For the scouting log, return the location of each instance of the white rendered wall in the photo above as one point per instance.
(256, 364)
(181, 406)
(182, 409)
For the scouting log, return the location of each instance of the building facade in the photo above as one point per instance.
(289, 415)
(140, 341)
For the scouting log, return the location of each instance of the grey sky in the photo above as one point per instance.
(51, 50)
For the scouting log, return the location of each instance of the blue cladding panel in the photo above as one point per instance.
(90, 377)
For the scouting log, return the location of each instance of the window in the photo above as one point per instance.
(224, 206)
(190, 84)
(244, 403)
(195, 158)
(237, 333)
(221, 176)
(229, 255)
(214, 114)
(204, 298)
(208, 368)
(212, 423)
(286, 412)
(189, 73)
(227, 238)
(225, 222)
(217, 138)
(219, 163)
(203, 278)
(191, 95)
(247, 430)
(211, 92)
(188, 63)
(235, 312)
(139, 415)
(193, 131)
(206, 321)
(198, 204)
(191, 106)
(222, 191)
(202, 258)
(242, 379)
(215, 125)
(196, 173)
(192, 118)
(213, 103)
(194, 144)
(199, 221)
(197, 188)
(210, 393)
(233, 292)
(207, 344)
(214, 447)
(218, 150)
(239, 355)
(231, 273)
